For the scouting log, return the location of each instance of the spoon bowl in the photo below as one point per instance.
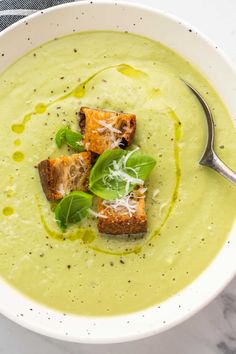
(209, 157)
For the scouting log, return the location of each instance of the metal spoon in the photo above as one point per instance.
(209, 157)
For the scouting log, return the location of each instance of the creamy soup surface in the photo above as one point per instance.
(190, 208)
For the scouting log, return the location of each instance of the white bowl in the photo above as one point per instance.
(61, 20)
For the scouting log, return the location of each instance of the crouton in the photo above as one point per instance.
(123, 216)
(105, 130)
(65, 174)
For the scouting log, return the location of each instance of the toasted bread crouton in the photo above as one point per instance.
(123, 216)
(65, 174)
(105, 130)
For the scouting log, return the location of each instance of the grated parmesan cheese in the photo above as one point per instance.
(97, 215)
(143, 190)
(107, 126)
(155, 194)
(163, 205)
(110, 127)
(118, 173)
(80, 143)
(124, 206)
(61, 189)
(116, 143)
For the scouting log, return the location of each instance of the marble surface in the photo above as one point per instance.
(211, 331)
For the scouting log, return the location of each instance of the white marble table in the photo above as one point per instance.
(211, 331)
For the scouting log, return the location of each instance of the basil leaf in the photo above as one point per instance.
(73, 139)
(142, 162)
(72, 208)
(60, 137)
(117, 172)
(67, 136)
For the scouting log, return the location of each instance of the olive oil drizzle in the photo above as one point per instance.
(175, 195)
(83, 234)
(18, 156)
(87, 235)
(7, 211)
(77, 92)
(137, 249)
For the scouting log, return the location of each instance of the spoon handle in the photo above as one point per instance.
(215, 162)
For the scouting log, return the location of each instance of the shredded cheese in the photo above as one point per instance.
(118, 173)
(129, 154)
(116, 143)
(97, 215)
(155, 194)
(107, 126)
(80, 143)
(124, 206)
(112, 130)
(163, 205)
(82, 162)
(61, 189)
(143, 190)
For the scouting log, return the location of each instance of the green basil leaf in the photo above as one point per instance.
(144, 163)
(67, 136)
(72, 208)
(117, 172)
(60, 137)
(73, 139)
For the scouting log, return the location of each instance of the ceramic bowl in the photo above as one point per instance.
(172, 32)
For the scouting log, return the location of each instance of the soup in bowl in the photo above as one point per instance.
(110, 228)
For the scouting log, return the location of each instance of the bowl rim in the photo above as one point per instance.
(145, 332)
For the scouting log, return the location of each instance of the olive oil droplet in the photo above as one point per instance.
(129, 71)
(7, 211)
(17, 142)
(40, 108)
(27, 118)
(18, 156)
(89, 236)
(18, 128)
(79, 91)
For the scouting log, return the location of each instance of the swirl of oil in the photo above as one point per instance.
(77, 92)
(88, 236)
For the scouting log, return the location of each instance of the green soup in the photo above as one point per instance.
(190, 208)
